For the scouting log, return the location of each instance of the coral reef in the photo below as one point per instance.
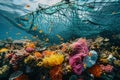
(80, 59)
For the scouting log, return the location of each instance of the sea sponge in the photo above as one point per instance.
(53, 60)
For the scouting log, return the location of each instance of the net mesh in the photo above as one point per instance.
(65, 21)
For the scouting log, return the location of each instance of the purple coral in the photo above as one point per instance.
(80, 50)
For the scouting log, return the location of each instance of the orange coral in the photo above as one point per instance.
(48, 52)
(38, 55)
(64, 46)
(22, 77)
(31, 45)
(56, 73)
(96, 70)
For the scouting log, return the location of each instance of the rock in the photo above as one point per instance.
(20, 42)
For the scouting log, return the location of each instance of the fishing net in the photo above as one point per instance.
(68, 20)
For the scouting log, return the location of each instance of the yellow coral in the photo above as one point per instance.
(29, 59)
(3, 50)
(53, 60)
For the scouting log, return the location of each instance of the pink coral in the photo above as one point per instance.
(80, 47)
(107, 68)
(80, 50)
(29, 49)
(76, 63)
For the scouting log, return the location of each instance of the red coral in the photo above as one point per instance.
(96, 70)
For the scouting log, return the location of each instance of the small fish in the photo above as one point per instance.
(24, 19)
(34, 37)
(50, 29)
(27, 6)
(34, 28)
(114, 12)
(40, 31)
(90, 54)
(60, 37)
(18, 33)
(20, 25)
(84, 65)
(47, 40)
(6, 32)
(25, 37)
